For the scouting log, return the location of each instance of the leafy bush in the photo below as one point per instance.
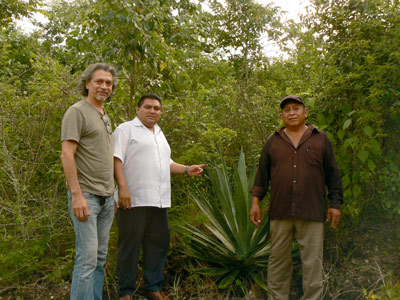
(388, 291)
(36, 233)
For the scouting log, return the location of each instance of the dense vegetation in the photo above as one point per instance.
(220, 93)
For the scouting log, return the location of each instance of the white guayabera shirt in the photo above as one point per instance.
(146, 159)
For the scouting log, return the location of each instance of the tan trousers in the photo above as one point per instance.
(309, 235)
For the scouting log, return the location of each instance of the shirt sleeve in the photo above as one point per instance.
(263, 175)
(121, 140)
(72, 125)
(333, 177)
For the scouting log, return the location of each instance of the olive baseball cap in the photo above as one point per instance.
(291, 98)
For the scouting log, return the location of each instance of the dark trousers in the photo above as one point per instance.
(145, 227)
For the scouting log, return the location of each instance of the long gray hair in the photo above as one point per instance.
(88, 74)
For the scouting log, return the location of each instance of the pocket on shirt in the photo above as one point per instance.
(314, 157)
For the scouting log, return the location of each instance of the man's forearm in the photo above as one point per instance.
(193, 170)
(71, 173)
(79, 204)
(176, 168)
(119, 175)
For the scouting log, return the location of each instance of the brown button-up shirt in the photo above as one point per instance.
(298, 176)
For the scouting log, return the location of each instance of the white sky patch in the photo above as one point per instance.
(292, 10)
(26, 25)
(292, 7)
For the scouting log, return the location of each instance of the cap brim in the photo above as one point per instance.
(289, 99)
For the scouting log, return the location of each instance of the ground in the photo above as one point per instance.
(368, 258)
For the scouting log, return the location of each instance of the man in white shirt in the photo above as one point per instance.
(142, 167)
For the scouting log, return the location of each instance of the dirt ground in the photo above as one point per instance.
(368, 257)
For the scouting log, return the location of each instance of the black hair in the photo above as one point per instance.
(148, 96)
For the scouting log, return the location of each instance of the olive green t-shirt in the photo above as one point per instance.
(94, 155)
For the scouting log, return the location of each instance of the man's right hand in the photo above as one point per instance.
(255, 211)
(80, 208)
(124, 197)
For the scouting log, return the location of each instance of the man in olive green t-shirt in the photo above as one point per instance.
(87, 159)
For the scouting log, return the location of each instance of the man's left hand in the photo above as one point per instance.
(333, 216)
(196, 170)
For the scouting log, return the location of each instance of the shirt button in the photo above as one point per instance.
(294, 166)
(294, 181)
(295, 152)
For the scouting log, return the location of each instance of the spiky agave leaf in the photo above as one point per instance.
(228, 279)
(232, 245)
(216, 217)
(214, 271)
(256, 278)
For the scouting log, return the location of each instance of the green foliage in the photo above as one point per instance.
(348, 52)
(239, 24)
(231, 245)
(32, 192)
(219, 90)
(389, 290)
(16, 9)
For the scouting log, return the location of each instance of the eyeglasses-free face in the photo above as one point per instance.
(149, 113)
(100, 86)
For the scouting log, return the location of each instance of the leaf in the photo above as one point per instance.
(347, 108)
(356, 190)
(163, 65)
(371, 165)
(330, 136)
(345, 181)
(349, 142)
(375, 147)
(227, 280)
(259, 282)
(340, 134)
(351, 113)
(368, 131)
(363, 155)
(347, 124)
(321, 120)
(322, 127)
(213, 271)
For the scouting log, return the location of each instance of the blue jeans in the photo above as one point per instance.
(91, 245)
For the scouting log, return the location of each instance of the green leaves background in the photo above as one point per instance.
(219, 89)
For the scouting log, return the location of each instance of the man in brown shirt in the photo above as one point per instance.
(298, 162)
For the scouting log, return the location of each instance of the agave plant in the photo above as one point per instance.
(232, 246)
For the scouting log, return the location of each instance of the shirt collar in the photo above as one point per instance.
(310, 127)
(138, 123)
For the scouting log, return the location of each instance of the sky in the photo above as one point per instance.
(292, 7)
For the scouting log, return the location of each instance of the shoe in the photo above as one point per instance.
(158, 295)
(165, 297)
(126, 297)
